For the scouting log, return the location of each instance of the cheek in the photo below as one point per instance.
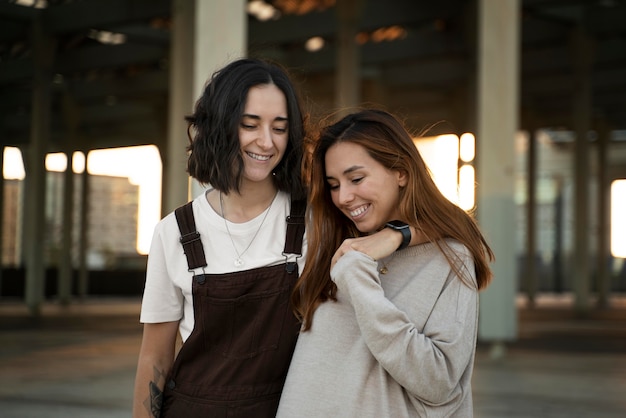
(243, 137)
(282, 145)
(394, 196)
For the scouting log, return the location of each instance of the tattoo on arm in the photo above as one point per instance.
(154, 403)
(156, 400)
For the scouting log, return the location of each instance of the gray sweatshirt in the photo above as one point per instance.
(396, 345)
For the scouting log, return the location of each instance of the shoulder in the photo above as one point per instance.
(458, 248)
(168, 225)
(283, 199)
(281, 207)
(166, 228)
(447, 256)
(441, 248)
(464, 261)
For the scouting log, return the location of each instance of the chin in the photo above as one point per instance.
(256, 176)
(364, 229)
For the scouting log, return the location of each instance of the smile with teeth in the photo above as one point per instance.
(258, 156)
(358, 211)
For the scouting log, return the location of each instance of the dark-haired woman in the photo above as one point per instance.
(221, 269)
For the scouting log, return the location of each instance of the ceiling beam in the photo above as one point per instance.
(96, 14)
(95, 57)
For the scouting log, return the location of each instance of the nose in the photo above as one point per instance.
(345, 195)
(264, 141)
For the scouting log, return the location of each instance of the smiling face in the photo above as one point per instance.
(263, 132)
(363, 189)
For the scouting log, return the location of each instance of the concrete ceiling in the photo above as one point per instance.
(116, 95)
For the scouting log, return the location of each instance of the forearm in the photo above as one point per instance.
(395, 237)
(155, 361)
(148, 393)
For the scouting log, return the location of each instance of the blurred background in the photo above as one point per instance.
(518, 107)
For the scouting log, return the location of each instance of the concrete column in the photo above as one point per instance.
(175, 179)
(466, 100)
(65, 263)
(66, 267)
(2, 185)
(206, 35)
(221, 35)
(582, 61)
(498, 97)
(35, 227)
(604, 198)
(559, 216)
(347, 58)
(83, 240)
(531, 281)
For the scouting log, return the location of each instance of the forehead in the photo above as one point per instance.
(266, 99)
(345, 147)
(344, 155)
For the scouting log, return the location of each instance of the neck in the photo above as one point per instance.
(249, 202)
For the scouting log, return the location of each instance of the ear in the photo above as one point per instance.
(402, 178)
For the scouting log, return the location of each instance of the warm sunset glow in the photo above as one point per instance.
(618, 221)
(13, 164)
(467, 147)
(441, 155)
(58, 162)
(466, 187)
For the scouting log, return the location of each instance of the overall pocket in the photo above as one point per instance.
(245, 326)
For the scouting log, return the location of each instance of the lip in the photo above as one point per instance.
(359, 211)
(261, 158)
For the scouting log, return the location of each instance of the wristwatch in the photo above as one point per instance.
(404, 230)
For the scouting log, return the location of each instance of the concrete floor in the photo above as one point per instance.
(80, 362)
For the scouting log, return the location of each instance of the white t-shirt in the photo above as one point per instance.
(167, 293)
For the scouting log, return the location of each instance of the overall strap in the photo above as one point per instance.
(190, 238)
(295, 231)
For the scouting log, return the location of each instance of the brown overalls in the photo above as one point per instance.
(235, 361)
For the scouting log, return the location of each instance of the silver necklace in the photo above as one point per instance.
(239, 260)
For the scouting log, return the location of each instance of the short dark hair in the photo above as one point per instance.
(214, 152)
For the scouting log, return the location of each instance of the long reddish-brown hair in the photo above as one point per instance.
(421, 204)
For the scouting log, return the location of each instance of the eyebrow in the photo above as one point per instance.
(256, 117)
(353, 168)
(348, 170)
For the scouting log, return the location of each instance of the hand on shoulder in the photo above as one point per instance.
(377, 245)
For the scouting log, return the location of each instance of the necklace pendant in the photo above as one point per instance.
(238, 262)
(383, 270)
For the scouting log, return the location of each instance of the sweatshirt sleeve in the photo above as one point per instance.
(428, 362)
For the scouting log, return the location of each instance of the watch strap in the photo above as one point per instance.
(404, 230)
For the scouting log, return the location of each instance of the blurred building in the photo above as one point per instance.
(11, 223)
(112, 204)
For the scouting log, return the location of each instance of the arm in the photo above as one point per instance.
(156, 357)
(377, 245)
(427, 356)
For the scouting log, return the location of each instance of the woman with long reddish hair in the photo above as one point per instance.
(387, 331)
